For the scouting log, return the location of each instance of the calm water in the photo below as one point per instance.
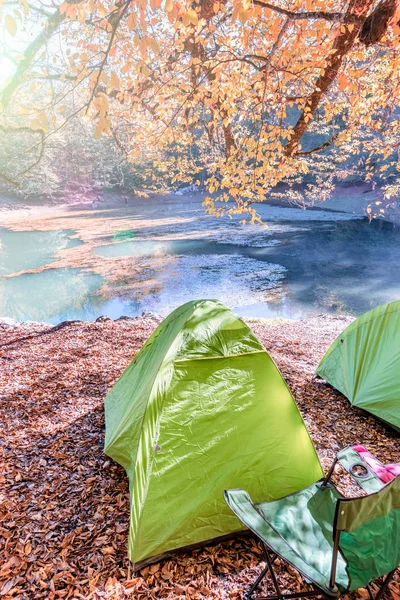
(304, 263)
(26, 250)
(53, 295)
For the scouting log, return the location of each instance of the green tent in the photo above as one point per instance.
(364, 363)
(202, 408)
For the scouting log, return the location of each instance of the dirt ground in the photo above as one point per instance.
(64, 505)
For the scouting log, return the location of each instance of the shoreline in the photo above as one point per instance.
(7, 323)
(115, 198)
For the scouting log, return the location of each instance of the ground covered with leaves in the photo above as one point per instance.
(64, 505)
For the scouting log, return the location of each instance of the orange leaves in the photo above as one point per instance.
(143, 45)
(40, 122)
(206, 75)
(245, 10)
(114, 80)
(101, 9)
(100, 103)
(175, 10)
(145, 69)
(127, 66)
(343, 81)
(132, 21)
(11, 25)
(244, 15)
(7, 587)
(172, 14)
(153, 44)
(348, 84)
(190, 17)
(347, 27)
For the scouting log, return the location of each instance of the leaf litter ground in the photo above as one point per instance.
(64, 505)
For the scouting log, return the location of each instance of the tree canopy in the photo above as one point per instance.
(246, 93)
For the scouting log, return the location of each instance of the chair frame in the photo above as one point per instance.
(270, 559)
(317, 591)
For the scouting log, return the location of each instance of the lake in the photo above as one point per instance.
(303, 263)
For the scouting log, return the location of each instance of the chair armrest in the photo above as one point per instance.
(369, 481)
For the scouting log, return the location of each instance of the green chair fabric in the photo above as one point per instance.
(370, 534)
(364, 362)
(202, 407)
(302, 529)
(299, 528)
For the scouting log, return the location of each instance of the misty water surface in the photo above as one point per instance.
(305, 263)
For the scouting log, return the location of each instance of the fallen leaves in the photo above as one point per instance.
(64, 507)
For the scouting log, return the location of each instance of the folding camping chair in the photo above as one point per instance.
(336, 544)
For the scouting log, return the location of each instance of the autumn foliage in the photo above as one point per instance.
(244, 93)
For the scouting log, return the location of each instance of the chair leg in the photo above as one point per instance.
(279, 595)
(273, 576)
(248, 595)
(384, 585)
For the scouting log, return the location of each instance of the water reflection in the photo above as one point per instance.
(295, 269)
(53, 295)
(25, 250)
(341, 266)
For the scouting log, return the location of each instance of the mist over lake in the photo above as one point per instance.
(160, 252)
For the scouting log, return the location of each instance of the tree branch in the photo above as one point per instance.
(337, 17)
(30, 53)
(320, 147)
(61, 77)
(115, 24)
(376, 24)
(344, 41)
(21, 129)
(8, 179)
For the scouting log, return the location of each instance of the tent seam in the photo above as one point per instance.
(157, 429)
(219, 357)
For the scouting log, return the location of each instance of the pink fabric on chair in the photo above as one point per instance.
(385, 472)
(394, 469)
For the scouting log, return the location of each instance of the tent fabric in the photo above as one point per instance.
(201, 408)
(364, 362)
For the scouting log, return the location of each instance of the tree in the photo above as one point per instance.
(238, 88)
